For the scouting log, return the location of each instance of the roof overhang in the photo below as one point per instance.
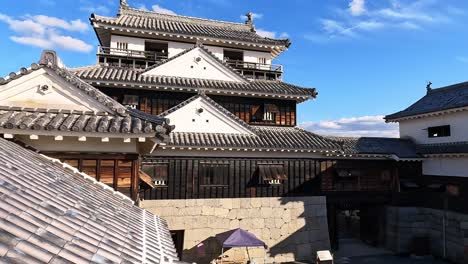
(389, 118)
(104, 31)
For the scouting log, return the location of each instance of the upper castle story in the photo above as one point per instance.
(140, 39)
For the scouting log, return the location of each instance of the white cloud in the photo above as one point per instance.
(96, 9)
(462, 59)
(357, 7)
(43, 31)
(357, 19)
(74, 25)
(162, 10)
(266, 33)
(254, 16)
(284, 35)
(364, 126)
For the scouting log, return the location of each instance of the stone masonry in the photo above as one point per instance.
(406, 223)
(294, 228)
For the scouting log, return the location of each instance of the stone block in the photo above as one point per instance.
(207, 210)
(256, 202)
(266, 212)
(233, 224)
(279, 222)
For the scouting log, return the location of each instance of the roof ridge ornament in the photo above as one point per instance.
(428, 86)
(249, 21)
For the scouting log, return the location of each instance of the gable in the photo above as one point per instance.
(196, 63)
(43, 88)
(200, 116)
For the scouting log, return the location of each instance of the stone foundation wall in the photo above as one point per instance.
(406, 223)
(293, 228)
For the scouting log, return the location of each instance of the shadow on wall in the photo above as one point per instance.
(294, 228)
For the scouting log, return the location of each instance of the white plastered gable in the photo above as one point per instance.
(43, 88)
(200, 116)
(197, 63)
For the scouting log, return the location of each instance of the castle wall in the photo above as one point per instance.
(294, 228)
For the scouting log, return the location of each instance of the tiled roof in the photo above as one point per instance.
(77, 121)
(444, 148)
(51, 213)
(445, 98)
(109, 75)
(403, 148)
(118, 120)
(266, 137)
(189, 26)
(49, 59)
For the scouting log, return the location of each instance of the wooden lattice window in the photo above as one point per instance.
(158, 172)
(271, 173)
(214, 174)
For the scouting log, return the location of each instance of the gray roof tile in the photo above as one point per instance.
(445, 98)
(184, 25)
(444, 148)
(403, 148)
(109, 74)
(60, 225)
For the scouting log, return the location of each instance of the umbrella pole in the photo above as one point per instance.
(222, 254)
(248, 255)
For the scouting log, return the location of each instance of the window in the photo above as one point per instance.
(214, 174)
(233, 55)
(158, 172)
(265, 113)
(439, 131)
(271, 173)
(122, 45)
(452, 190)
(262, 60)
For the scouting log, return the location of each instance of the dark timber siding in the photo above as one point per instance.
(243, 107)
(304, 177)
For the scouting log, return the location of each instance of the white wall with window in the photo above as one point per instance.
(445, 166)
(431, 130)
(117, 42)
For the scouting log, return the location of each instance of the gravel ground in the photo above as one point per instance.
(388, 259)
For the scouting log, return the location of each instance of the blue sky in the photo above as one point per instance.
(366, 58)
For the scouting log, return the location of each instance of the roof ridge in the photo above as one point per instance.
(212, 102)
(191, 49)
(448, 87)
(141, 12)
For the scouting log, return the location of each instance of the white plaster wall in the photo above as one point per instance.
(187, 66)
(175, 48)
(211, 120)
(252, 56)
(24, 92)
(133, 43)
(217, 51)
(293, 228)
(446, 166)
(416, 129)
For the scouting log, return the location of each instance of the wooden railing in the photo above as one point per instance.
(147, 55)
(254, 66)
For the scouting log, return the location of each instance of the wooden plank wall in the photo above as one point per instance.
(305, 177)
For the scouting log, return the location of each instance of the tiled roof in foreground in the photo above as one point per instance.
(266, 137)
(99, 75)
(50, 213)
(436, 100)
(77, 121)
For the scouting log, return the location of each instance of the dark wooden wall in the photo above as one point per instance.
(155, 102)
(243, 108)
(304, 177)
